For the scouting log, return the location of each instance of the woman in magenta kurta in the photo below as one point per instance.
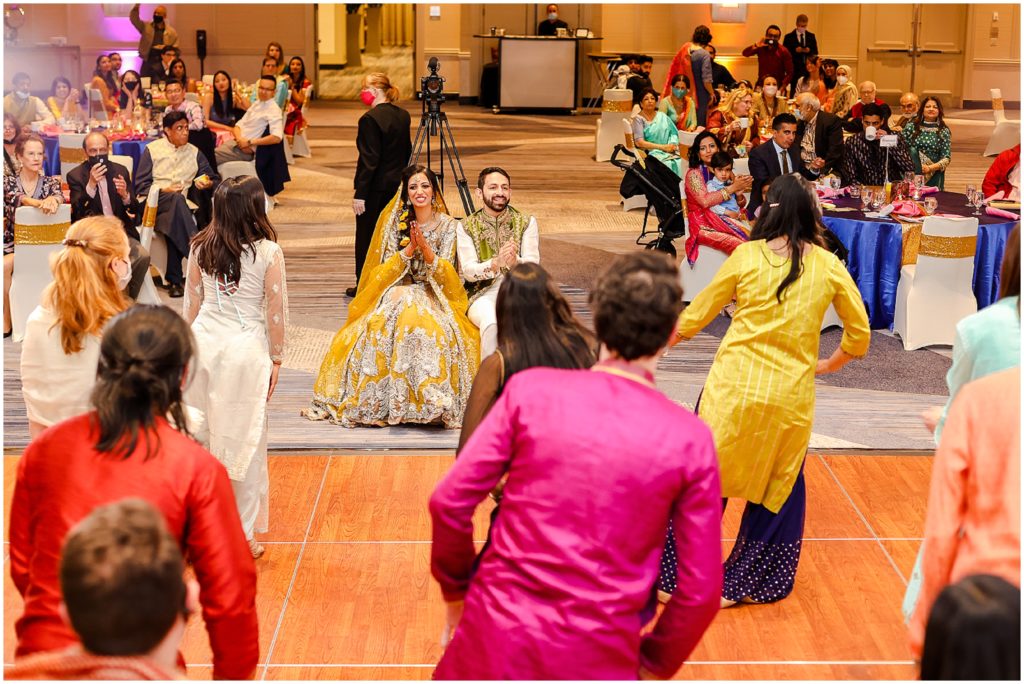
(598, 462)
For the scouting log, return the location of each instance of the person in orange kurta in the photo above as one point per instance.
(973, 521)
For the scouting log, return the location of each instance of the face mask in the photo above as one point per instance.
(842, 80)
(158, 20)
(21, 94)
(679, 92)
(552, 16)
(368, 97)
(798, 114)
(123, 280)
(870, 132)
(130, 84)
(770, 90)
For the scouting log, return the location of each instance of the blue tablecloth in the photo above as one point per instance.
(876, 254)
(128, 148)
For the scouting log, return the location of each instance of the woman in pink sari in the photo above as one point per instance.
(705, 226)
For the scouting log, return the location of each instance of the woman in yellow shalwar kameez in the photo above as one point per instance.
(407, 353)
(759, 396)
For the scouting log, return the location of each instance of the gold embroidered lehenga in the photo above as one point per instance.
(407, 353)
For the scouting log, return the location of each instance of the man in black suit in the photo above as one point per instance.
(384, 143)
(819, 136)
(776, 158)
(721, 78)
(551, 24)
(800, 42)
(100, 187)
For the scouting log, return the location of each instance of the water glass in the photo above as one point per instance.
(909, 177)
(970, 194)
(855, 191)
(877, 200)
(918, 185)
(867, 195)
(978, 200)
(930, 205)
(834, 182)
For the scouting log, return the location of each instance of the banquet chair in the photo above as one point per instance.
(638, 201)
(36, 237)
(234, 169)
(155, 244)
(125, 161)
(831, 319)
(741, 167)
(69, 146)
(300, 146)
(1006, 134)
(695, 278)
(936, 292)
(97, 108)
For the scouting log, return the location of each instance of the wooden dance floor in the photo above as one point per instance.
(344, 588)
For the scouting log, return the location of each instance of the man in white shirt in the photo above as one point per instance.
(250, 129)
(23, 105)
(491, 241)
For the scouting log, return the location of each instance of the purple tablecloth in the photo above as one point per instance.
(876, 253)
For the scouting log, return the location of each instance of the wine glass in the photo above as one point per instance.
(970, 193)
(978, 199)
(918, 185)
(855, 190)
(834, 182)
(930, 205)
(877, 200)
(908, 177)
(866, 196)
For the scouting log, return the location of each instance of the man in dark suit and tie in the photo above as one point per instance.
(800, 42)
(100, 187)
(777, 158)
(819, 136)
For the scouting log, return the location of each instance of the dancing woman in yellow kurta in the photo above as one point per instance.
(407, 353)
(759, 395)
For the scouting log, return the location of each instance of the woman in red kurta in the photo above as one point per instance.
(127, 448)
(999, 174)
(704, 227)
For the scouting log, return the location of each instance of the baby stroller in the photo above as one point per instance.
(648, 176)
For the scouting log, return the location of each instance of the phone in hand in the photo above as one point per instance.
(99, 159)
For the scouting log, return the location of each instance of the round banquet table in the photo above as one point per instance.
(880, 247)
(128, 148)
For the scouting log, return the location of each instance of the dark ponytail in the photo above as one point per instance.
(143, 357)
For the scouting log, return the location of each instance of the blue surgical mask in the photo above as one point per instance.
(679, 92)
(552, 16)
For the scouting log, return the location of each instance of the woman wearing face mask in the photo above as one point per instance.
(27, 188)
(844, 95)
(62, 335)
(63, 100)
(768, 103)
(679, 106)
(930, 142)
(384, 144)
(131, 91)
(103, 81)
(11, 163)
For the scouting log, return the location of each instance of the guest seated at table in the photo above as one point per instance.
(131, 93)
(640, 80)
(768, 103)
(678, 106)
(23, 105)
(115, 67)
(180, 74)
(1003, 176)
(275, 50)
(162, 72)
(828, 74)
(930, 143)
(63, 100)
(655, 133)
(779, 157)
(11, 163)
(909, 106)
(27, 188)
(706, 227)
(297, 82)
(868, 96)
(223, 106)
(176, 102)
(864, 160)
(100, 187)
(281, 93)
(819, 136)
(725, 123)
(176, 167)
(843, 95)
(812, 82)
(250, 131)
(721, 78)
(103, 81)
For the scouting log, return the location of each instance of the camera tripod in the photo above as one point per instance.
(434, 123)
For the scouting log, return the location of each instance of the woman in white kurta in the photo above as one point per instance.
(62, 335)
(236, 302)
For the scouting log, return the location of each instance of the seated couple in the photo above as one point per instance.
(411, 345)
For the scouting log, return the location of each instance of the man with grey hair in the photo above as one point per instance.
(868, 95)
(909, 104)
(819, 135)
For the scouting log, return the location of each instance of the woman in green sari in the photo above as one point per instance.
(679, 106)
(655, 133)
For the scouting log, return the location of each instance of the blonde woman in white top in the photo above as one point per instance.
(62, 335)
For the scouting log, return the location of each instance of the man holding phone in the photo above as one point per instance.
(100, 187)
(772, 58)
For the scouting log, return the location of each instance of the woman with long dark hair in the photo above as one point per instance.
(237, 303)
(103, 80)
(297, 83)
(408, 352)
(707, 227)
(783, 281)
(179, 73)
(275, 50)
(930, 142)
(131, 91)
(63, 100)
(134, 444)
(223, 106)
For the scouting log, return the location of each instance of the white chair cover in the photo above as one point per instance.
(69, 146)
(125, 161)
(1006, 134)
(934, 294)
(300, 148)
(702, 273)
(36, 237)
(234, 169)
(97, 109)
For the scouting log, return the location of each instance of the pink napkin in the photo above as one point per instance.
(906, 208)
(825, 192)
(1001, 213)
(927, 190)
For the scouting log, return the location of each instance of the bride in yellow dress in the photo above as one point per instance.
(407, 353)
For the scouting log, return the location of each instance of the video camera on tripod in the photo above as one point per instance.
(434, 122)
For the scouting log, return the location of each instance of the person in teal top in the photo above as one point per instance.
(930, 142)
(986, 342)
(281, 94)
(655, 133)
(679, 107)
